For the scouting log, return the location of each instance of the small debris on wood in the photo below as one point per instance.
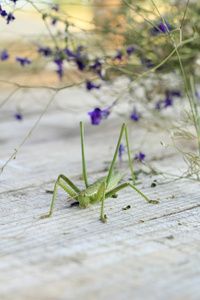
(171, 197)
(170, 237)
(127, 207)
(49, 191)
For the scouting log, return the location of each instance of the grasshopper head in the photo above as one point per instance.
(83, 200)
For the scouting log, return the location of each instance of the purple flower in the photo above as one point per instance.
(135, 116)
(154, 31)
(14, 1)
(159, 105)
(10, 18)
(3, 13)
(69, 52)
(100, 75)
(176, 93)
(119, 55)
(59, 63)
(147, 62)
(197, 95)
(79, 48)
(23, 61)
(96, 65)
(164, 28)
(164, 103)
(90, 85)
(130, 50)
(80, 63)
(46, 51)
(168, 102)
(160, 28)
(80, 59)
(121, 149)
(140, 157)
(54, 21)
(18, 116)
(55, 7)
(4, 55)
(97, 115)
(60, 72)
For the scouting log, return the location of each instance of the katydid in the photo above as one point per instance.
(101, 189)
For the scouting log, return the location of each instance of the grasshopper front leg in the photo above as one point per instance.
(100, 196)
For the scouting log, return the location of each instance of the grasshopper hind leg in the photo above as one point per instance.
(68, 186)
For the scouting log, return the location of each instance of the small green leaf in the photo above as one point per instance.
(153, 184)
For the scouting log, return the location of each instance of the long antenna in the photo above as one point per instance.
(83, 155)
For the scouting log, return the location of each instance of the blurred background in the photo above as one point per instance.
(105, 48)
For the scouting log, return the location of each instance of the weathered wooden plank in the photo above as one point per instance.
(63, 252)
(72, 254)
(122, 263)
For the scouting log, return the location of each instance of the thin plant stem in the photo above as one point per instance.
(49, 31)
(55, 89)
(9, 96)
(197, 117)
(29, 134)
(181, 67)
(152, 70)
(185, 11)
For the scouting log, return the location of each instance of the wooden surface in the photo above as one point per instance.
(146, 252)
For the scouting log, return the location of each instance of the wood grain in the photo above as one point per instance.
(147, 252)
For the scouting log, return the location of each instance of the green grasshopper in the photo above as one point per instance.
(101, 189)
